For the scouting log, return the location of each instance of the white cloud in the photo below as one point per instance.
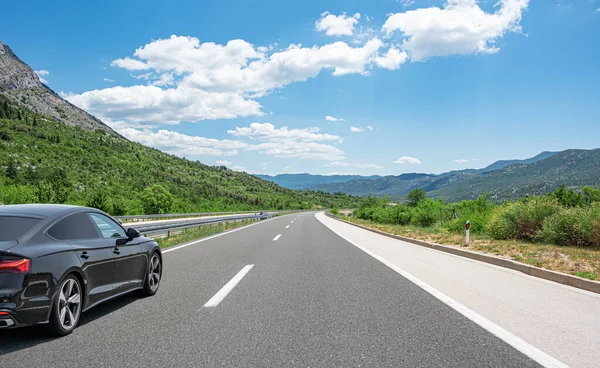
(407, 160)
(165, 79)
(108, 80)
(268, 131)
(223, 163)
(130, 64)
(461, 27)
(354, 129)
(301, 150)
(182, 144)
(392, 59)
(460, 161)
(213, 81)
(151, 104)
(331, 118)
(284, 143)
(370, 127)
(41, 73)
(337, 25)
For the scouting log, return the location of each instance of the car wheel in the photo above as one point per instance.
(67, 307)
(154, 275)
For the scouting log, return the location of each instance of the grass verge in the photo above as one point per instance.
(582, 262)
(200, 232)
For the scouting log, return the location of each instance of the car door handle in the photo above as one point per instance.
(85, 255)
(116, 251)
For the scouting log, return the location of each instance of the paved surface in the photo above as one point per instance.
(311, 300)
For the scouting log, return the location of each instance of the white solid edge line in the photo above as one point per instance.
(516, 342)
(171, 249)
(221, 294)
(277, 237)
(287, 227)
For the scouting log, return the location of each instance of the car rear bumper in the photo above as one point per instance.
(8, 319)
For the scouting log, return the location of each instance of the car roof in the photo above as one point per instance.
(39, 210)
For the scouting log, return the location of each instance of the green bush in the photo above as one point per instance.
(423, 217)
(156, 199)
(570, 226)
(521, 220)
(502, 223)
(335, 211)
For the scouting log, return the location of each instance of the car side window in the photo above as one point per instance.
(74, 227)
(108, 227)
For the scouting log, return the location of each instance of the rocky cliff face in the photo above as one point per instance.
(19, 83)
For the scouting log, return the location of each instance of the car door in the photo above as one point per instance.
(130, 261)
(95, 253)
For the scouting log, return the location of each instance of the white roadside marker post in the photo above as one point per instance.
(468, 226)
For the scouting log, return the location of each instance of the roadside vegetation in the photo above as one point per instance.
(45, 161)
(559, 231)
(200, 232)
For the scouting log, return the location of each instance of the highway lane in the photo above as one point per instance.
(310, 298)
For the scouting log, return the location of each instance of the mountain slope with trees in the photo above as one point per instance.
(503, 180)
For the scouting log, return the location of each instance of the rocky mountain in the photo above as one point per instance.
(305, 181)
(502, 180)
(21, 85)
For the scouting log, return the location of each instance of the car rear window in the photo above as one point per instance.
(75, 227)
(14, 227)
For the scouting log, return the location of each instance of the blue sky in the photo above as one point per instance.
(421, 86)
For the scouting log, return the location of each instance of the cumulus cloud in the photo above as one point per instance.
(108, 80)
(331, 118)
(370, 127)
(223, 163)
(460, 161)
(268, 131)
(189, 80)
(354, 129)
(151, 104)
(337, 25)
(276, 142)
(182, 144)
(407, 160)
(213, 81)
(392, 59)
(41, 73)
(460, 27)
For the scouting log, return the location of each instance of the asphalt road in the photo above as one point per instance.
(308, 299)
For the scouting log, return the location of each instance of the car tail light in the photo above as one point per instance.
(3, 313)
(15, 266)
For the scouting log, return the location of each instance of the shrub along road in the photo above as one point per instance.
(291, 292)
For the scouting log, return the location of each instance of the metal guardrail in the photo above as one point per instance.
(166, 228)
(176, 215)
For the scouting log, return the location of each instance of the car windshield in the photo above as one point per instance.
(14, 227)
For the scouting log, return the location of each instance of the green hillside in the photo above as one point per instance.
(44, 160)
(501, 181)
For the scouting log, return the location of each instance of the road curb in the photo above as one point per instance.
(559, 277)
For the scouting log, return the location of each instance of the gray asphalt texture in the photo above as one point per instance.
(311, 300)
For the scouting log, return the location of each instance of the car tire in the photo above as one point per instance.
(153, 276)
(66, 310)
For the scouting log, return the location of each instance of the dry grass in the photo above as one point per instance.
(582, 262)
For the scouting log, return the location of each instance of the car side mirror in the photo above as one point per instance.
(132, 233)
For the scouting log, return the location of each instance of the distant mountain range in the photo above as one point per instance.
(305, 181)
(502, 180)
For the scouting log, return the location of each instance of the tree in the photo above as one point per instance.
(100, 201)
(591, 194)
(416, 197)
(12, 170)
(156, 200)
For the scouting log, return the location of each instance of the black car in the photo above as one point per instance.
(57, 261)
